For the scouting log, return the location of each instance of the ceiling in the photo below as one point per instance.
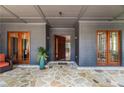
(59, 15)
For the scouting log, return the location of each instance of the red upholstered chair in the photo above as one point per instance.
(5, 64)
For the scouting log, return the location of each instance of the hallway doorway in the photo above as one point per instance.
(65, 41)
(62, 47)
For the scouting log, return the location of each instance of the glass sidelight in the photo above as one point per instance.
(19, 47)
(13, 46)
(114, 48)
(25, 46)
(102, 47)
(108, 48)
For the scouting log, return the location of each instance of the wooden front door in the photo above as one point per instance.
(108, 48)
(60, 47)
(19, 47)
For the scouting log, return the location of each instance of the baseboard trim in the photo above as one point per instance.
(27, 66)
(100, 68)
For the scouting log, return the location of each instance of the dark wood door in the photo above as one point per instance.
(60, 47)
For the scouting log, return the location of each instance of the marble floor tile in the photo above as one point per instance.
(61, 76)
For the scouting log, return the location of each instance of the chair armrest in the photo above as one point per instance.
(9, 61)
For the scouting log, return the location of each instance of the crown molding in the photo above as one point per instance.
(89, 21)
(24, 23)
(63, 28)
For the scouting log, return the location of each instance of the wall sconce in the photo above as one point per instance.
(75, 37)
(48, 37)
(76, 57)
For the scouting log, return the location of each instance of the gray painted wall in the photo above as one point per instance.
(37, 36)
(87, 40)
(0, 38)
(77, 43)
(0, 44)
(62, 31)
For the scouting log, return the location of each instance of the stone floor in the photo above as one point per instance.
(62, 75)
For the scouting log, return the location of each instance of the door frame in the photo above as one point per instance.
(108, 47)
(76, 36)
(99, 63)
(29, 43)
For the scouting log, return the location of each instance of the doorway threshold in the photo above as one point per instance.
(68, 62)
(61, 64)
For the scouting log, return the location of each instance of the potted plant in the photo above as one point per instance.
(42, 57)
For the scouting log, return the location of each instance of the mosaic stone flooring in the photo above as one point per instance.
(61, 76)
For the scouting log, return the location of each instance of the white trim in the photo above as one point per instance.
(24, 23)
(100, 68)
(62, 28)
(96, 18)
(69, 17)
(59, 18)
(93, 21)
(31, 17)
(22, 17)
(26, 66)
(7, 18)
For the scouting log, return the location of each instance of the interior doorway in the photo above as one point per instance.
(108, 48)
(19, 47)
(62, 47)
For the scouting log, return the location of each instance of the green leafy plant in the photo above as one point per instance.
(42, 53)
